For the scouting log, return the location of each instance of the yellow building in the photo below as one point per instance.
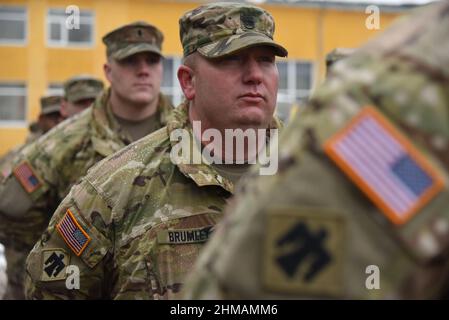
(38, 51)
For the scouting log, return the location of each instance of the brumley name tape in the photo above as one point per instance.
(184, 236)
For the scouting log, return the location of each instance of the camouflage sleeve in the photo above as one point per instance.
(72, 258)
(26, 202)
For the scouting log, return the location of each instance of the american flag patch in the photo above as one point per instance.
(27, 178)
(72, 233)
(384, 165)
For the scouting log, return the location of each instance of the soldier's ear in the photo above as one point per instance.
(63, 110)
(107, 71)
(186, 80)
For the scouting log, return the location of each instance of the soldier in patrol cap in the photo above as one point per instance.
(50, 114)
(131, 108)
(359, 207)
(143, 216)
(79, 93)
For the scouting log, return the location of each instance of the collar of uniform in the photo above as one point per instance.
(203, 174)
(109, 136)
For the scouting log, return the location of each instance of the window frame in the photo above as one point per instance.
(175, 90)
(292, 95)
(64, 40)
(22, 88)
(24, 41)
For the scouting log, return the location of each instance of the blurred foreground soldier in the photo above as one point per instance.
(360, 205)
(133, 107)
(136, 222)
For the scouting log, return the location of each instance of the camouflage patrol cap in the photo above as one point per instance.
(50, 104)
(82, 87)
(133, 38)
(219, 29)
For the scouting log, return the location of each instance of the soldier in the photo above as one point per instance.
(79, 93)
(359, 207)
(50, 115)
(48, 118)
(132, 108)
(134, 225)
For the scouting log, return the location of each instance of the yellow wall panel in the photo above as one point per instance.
(10, 137)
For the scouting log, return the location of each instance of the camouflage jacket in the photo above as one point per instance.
(316, 231)
(52, 165)
(143, 220)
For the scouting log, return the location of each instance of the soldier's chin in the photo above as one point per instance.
(141, 98)
(253, 117)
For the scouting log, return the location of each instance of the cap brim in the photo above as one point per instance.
(83, 95)
(235, 43)
(51, 109)
(135, 48)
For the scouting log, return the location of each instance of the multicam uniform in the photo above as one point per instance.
(362, 188)
(135, 224)
(142, 219)
(45, 171)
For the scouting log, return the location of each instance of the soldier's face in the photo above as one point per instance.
(137, 78)
(238, 91)
(69, 109)
(48, 121)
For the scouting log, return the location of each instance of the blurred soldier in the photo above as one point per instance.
(132, 108)
(141, 216)
(48, 118)
(79, 93)
(359, 207)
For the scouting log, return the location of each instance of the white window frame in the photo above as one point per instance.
(175, 90)
(20, 89)
(57, 90)
(291, 95)
(15, 17)
(64, 41)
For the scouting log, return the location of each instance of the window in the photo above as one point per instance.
(170, 84)
(12, 103)
(55, 89)
(12, 25)
(59, 35)
(295, 83)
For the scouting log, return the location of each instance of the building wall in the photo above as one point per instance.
(308, 34)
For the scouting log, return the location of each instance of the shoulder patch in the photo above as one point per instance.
(72, 233)
(54, 264)
(27, 178)
(385, 165)
(303, 252)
